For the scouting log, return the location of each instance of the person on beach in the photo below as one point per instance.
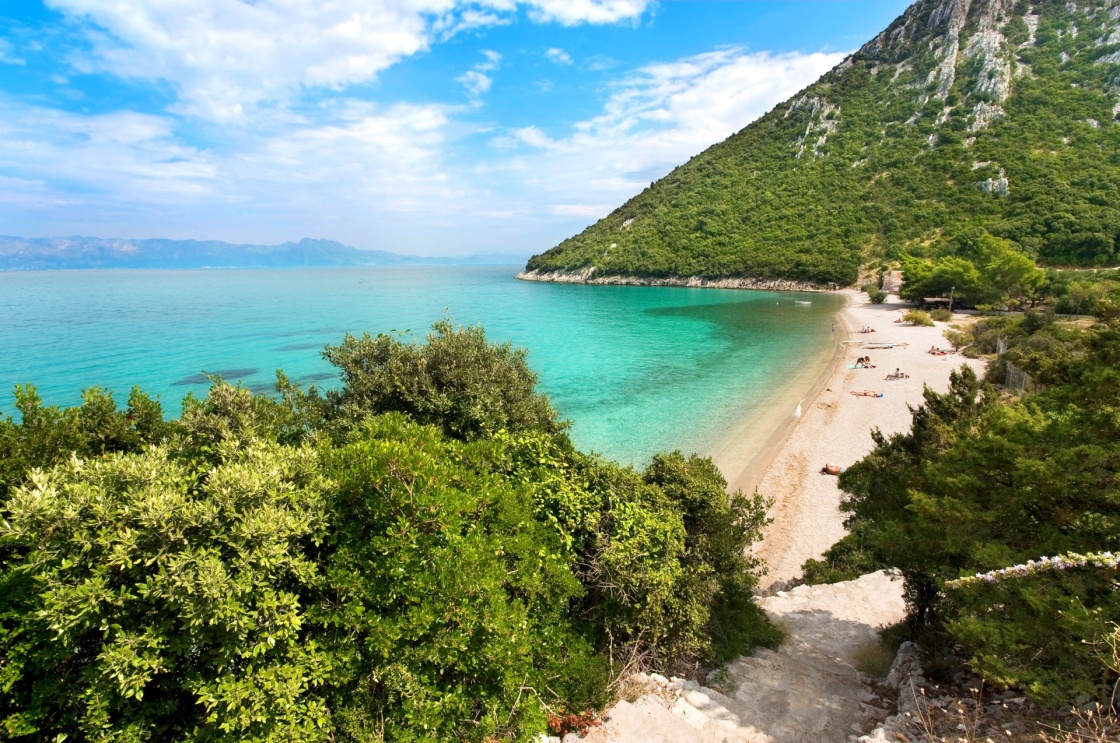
(898, 374)
(867, 393)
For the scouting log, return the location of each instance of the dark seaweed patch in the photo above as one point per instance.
(319, 377)
(262, 389)
(301, 347)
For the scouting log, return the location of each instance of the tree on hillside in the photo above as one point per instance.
(979, 483)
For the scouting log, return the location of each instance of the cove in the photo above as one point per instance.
(636, 369)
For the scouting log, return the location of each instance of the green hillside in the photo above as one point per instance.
(997, 115)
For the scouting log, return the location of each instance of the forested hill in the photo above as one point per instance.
(992, 114)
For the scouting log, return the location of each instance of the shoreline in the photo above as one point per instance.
(752, 472)
(587, 276)
(835, 427)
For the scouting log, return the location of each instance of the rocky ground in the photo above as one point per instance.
(807, 690)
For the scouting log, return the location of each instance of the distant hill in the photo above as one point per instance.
(42, 253)
(996, 115)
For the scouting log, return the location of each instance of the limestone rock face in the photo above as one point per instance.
(587, 276)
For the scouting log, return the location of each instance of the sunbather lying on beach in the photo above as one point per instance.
(867, 393)
(935, 351)
(898, 375)
(831, 469)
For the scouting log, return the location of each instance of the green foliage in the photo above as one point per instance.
(941, 315)
(848, 559)
(48, 435)
(874, 294)
(457, 592)
(154, 600)
(718, 532)
(981, 482)
(991, 272)
(456, 381)
(421, 556)
(1085, 292)
(875, 161)
(918, 317)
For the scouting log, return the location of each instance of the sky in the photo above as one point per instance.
(428, 127)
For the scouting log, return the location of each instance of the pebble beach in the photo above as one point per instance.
(835, 427)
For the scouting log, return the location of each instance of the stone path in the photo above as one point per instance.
(807, 690)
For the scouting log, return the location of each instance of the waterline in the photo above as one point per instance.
(638, 370)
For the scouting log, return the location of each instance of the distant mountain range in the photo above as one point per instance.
(45, 253)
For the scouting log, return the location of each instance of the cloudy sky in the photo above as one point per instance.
(433, 127)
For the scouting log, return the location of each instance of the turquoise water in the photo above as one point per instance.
(638, 370)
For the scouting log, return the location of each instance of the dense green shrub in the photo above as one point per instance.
(941, 315)
(1084, 292)
(421, 556)
(981, 482)
(874, 294)
(918, 317)
(156, 599)
(456, 381)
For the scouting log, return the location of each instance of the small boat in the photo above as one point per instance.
(798, 301)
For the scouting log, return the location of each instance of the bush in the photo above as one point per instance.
(874, 294)
(456, 381)
(154, 599)
(918, 317)
(982, 482)
(313, 568)
(941, 315)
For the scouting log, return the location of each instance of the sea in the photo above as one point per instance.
(637, 370)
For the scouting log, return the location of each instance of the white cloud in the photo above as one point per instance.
(534, 137)
(493, 59)
(574, 12)
(475, 82)
(652, 121)
(8, 54)
(559, 56)
(226, 57)
(393, 177)
(119, 155)
(355, 156)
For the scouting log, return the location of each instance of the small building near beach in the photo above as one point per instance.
(892, 282)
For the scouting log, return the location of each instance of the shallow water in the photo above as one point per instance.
(638, 370)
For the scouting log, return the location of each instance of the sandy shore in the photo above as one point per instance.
(835, 427)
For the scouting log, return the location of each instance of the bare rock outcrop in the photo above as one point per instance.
(591, 276)
(807, 690)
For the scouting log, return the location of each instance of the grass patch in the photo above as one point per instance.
(874, 659)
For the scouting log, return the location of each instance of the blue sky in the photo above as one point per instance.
(434, 127)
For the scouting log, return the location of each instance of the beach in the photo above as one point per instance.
(835, 428)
